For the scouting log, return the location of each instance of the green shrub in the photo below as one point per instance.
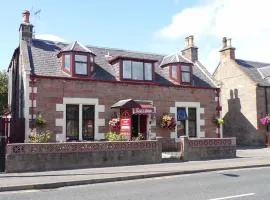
(42, 137)
(140, 137)
(113, 136)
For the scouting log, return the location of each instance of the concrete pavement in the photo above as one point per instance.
(52, 179)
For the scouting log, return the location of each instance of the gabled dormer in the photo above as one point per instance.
(178, 68)
(77, 60)
(134, 69)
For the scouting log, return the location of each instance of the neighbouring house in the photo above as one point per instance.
(245, 96)
(79, 88)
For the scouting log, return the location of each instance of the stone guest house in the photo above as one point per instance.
(78, 88)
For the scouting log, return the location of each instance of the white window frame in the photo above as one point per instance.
(81, 102)
(199, 122)
(80, 118)
(187, 121)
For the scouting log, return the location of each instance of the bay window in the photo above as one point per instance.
(78, 64)
(136, 70)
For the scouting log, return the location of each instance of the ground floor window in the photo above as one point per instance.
(80, 122)
(72, 122)
(186, 122)
(88, 122)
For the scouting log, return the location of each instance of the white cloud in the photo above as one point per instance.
(245, 21)
(50, 37)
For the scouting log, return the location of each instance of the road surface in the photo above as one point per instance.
(253, 183)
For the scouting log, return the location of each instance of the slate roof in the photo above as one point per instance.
(44, 61)
(254, 71)
(173, 58)
(76, 46)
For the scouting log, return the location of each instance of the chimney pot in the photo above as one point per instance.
(229, 42)
(26, 15)
(191, 41)
(224, 41)
(227, 52)
(186, 42)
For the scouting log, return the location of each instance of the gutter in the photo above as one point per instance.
(120, 82)
(32, 102)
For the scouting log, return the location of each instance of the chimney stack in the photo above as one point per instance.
(227, 52)
(26, 29)
(190, 51)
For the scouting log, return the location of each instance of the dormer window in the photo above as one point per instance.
(137, 70)
(181, 73)
(180, 69)
(77, 60)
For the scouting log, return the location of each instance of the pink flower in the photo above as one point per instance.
(265, 120)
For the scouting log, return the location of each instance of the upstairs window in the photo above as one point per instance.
(174, 72)
(78, 64)
(81, 63)
(185, 74)
(148, 69)
(67, 62)
(135, 70)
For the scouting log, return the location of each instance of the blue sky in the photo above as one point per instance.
(158, 26)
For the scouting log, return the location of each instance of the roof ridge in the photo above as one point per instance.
(107, 48)
(252, 61)
(127, 50)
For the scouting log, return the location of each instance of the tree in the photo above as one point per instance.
(3, 92)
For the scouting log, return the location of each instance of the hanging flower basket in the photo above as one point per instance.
(40, 121)
(265, 120)
(167, 121)
(218, 121)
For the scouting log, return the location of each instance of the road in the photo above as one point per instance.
(253, 183)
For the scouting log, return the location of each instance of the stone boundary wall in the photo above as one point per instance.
(207, 148)
(58, 156)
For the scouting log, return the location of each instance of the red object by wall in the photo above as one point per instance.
(125, 122)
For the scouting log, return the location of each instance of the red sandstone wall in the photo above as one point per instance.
(51, 92)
